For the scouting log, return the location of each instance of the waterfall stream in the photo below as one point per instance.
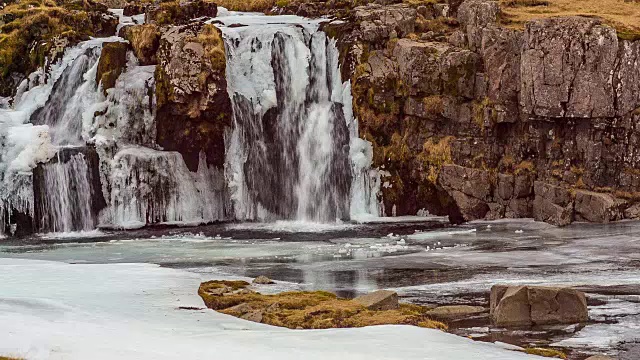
(294, 152)
(73, 158)
(65, 194)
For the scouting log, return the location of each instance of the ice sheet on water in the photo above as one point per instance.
(293, 226)
(131, 311)
(72, 235)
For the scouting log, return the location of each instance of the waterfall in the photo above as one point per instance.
(64, 193)
(44, 120)
(294, 151)
(73, 158)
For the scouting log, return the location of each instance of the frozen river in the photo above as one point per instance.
(426, 261)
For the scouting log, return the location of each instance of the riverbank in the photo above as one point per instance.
(139, 311)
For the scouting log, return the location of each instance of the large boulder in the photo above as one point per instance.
(510, 306)
(379, 300)
(536, 305)
(553, 204)
(598, 207)
(191, 90)
(471, 189)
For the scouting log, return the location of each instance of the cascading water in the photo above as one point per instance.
(46, 118)
(294, 152)
(67, 150)
(66, 195)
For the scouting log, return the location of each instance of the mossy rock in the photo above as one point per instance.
(29, 29)
(144, 40)
(305, 309)
(112, 62)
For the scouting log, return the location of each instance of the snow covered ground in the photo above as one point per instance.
(54, 310)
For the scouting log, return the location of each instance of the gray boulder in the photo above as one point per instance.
(454, 312)
(598, 207)
(552, 204)
(513, 306)
(379, 300)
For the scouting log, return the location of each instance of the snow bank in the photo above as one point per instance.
(52, 310)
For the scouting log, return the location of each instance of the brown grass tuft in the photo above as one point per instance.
(623, 15)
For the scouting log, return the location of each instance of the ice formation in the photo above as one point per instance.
(73, 158)
(294, 152)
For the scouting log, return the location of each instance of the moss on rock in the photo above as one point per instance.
(29, 30)
(112, 62)
(545, 352)
(144, 40)
(305, 309)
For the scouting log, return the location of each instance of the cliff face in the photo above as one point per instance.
(471, 118)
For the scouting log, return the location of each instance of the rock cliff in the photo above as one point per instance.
(470, 117)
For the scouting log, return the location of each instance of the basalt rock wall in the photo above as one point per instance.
(471, 118)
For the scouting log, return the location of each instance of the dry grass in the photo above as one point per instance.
(307, 310)
(624, 15)
(435, 154)
(249, 5)
(211, 39)
(26, 39)
(525, 167)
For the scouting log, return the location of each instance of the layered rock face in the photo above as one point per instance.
(473, 119)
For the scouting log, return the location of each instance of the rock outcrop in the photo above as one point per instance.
(535, 305)
(193, 104)
(467, 115)
(311, 310)
(144, 40)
